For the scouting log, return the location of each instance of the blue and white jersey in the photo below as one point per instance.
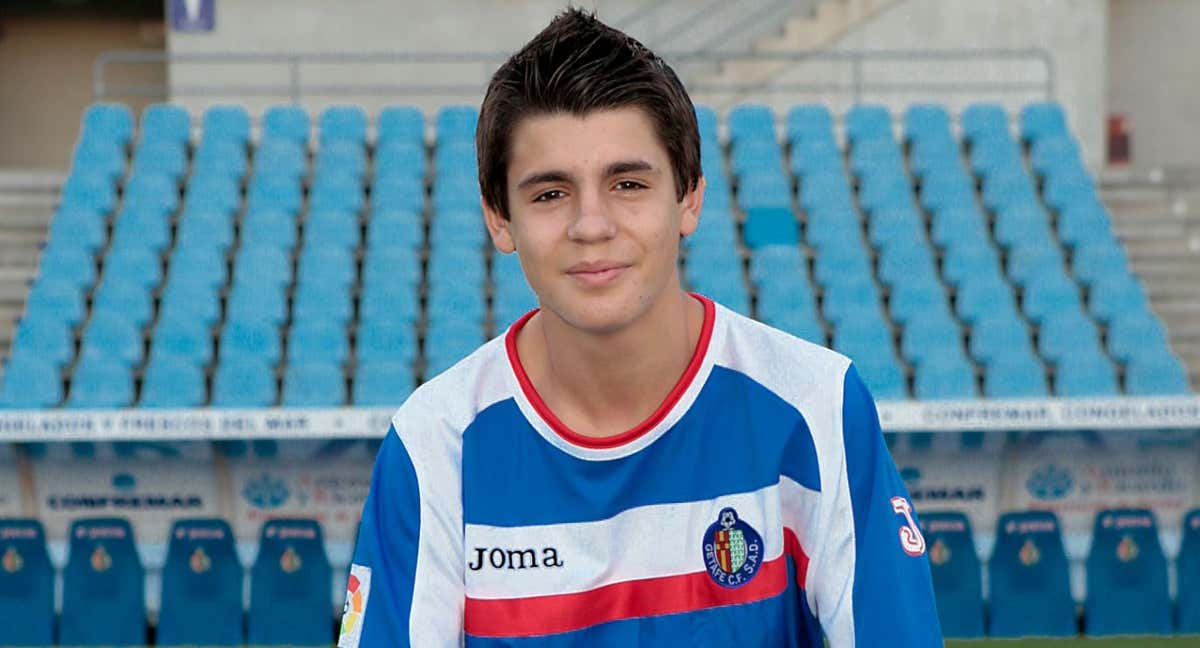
(758, 506)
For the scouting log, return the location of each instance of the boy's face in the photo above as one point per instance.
(594, 216)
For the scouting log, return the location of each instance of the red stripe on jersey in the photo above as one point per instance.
(791, 547)
(558, 613)
(664, 408)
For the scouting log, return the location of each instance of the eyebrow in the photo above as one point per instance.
(616, 168)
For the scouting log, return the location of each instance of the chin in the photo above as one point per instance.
(597, 313)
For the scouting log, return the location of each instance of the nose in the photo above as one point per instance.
(592, 220)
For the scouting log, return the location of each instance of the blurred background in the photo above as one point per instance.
(236, 234)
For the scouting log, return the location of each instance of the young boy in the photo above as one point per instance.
(630, 465)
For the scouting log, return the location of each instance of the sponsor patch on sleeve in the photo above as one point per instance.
(358, 589)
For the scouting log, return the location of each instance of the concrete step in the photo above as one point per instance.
(37, 216)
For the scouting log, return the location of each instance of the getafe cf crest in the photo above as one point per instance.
(12, 561)
(1029, 554)
(732, 550)
(289, 562)
(939, 553)
(199, 562)
(101, 561)
(1127, 550)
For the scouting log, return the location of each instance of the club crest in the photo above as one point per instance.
(732, 550)
(1029, 554)
(289, 562)
(101, 561)
(939, 553)
(1127, 550)
(12, 561)
(199, 562)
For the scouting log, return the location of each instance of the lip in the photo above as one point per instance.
(597, 273)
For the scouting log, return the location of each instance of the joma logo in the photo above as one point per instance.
(498, 558)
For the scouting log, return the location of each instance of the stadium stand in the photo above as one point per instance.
(984, 259)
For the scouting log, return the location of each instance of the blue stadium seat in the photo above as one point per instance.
(908, 301)
(1085, 373)
(185, 298)
(770, 226)
(166, 158)
(55, 300)
(263, 265)
(379, 383)
(67, 265)
(867, 121)
(317, 341)
(899, 264)
(1060, 193)
(1085, 221)
(924, 121)
(76, 227)
(103, 591)
(90, 189)
(102, 160)
(205, 229)
(949, 377)
(984, 297)
(182, 338)
(173, 382)
(100, 382)
(750, 119)
(1052, 154)
(344, 122)
(214, 190)
(998, 334)
(167, 123)
(1092, 261)
(322, 303)
(1030, 594)
(269, 228)
(1156, 374)
(256, 340)
(383, 302)
(893, 226)
(26, 584)
(395, 228)
(225, 122)
(969, 262)
(957, 579)
(1042, 119)
(309, 383)
(1187, 569)
(283, 162)
(809, 122)
(400, 159)
(154, 192)
(30, 383)
(447, 342)
(243, 382)
(385, 342)
(401, 124)
(1130, 333)
(326, 265)
(141, 228)
(286, 122)
(274, 191)
(755, 154)
(112, 336)
(334, 191)
(290, 596)
(764, 190)
(1065, 332)
(1050, 293)
(218, 160)
(883, 376)
(201, 599)
(250, 300)
(1126, 576)
(1115, 295)
(1027, 261)
(46, 338)
(456, 122)
(982, 120)
(198, 266)
(815, 156)
(108, 121)
(1016, 374)
(122, 298)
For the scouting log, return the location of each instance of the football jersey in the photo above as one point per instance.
(757, 506)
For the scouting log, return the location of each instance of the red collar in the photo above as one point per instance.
(560, 428)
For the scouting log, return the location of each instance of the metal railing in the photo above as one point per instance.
(289, 81)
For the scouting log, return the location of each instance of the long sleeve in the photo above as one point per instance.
(876, 588)
(405, 584)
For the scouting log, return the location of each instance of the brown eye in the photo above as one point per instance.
(553, 194)
(630, 185)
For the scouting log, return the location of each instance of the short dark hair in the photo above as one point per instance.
(576, 65)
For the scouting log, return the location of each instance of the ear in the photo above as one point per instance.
(691, 205)
(497, 226)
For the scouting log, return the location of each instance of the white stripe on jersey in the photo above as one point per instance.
(643, 542)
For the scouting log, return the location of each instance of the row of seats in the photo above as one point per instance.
(202, 587)
(220, 258)
(1029, 590)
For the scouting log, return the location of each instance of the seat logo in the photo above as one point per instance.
(199, 562)
(290, 562)
(12, 561)
(732, 550)
(101, 561)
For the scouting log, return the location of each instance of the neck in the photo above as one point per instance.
(601, 385)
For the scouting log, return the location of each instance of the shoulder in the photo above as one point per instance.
(775, 358)
(451, 400)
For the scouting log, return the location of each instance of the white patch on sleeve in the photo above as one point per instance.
(358, 589)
